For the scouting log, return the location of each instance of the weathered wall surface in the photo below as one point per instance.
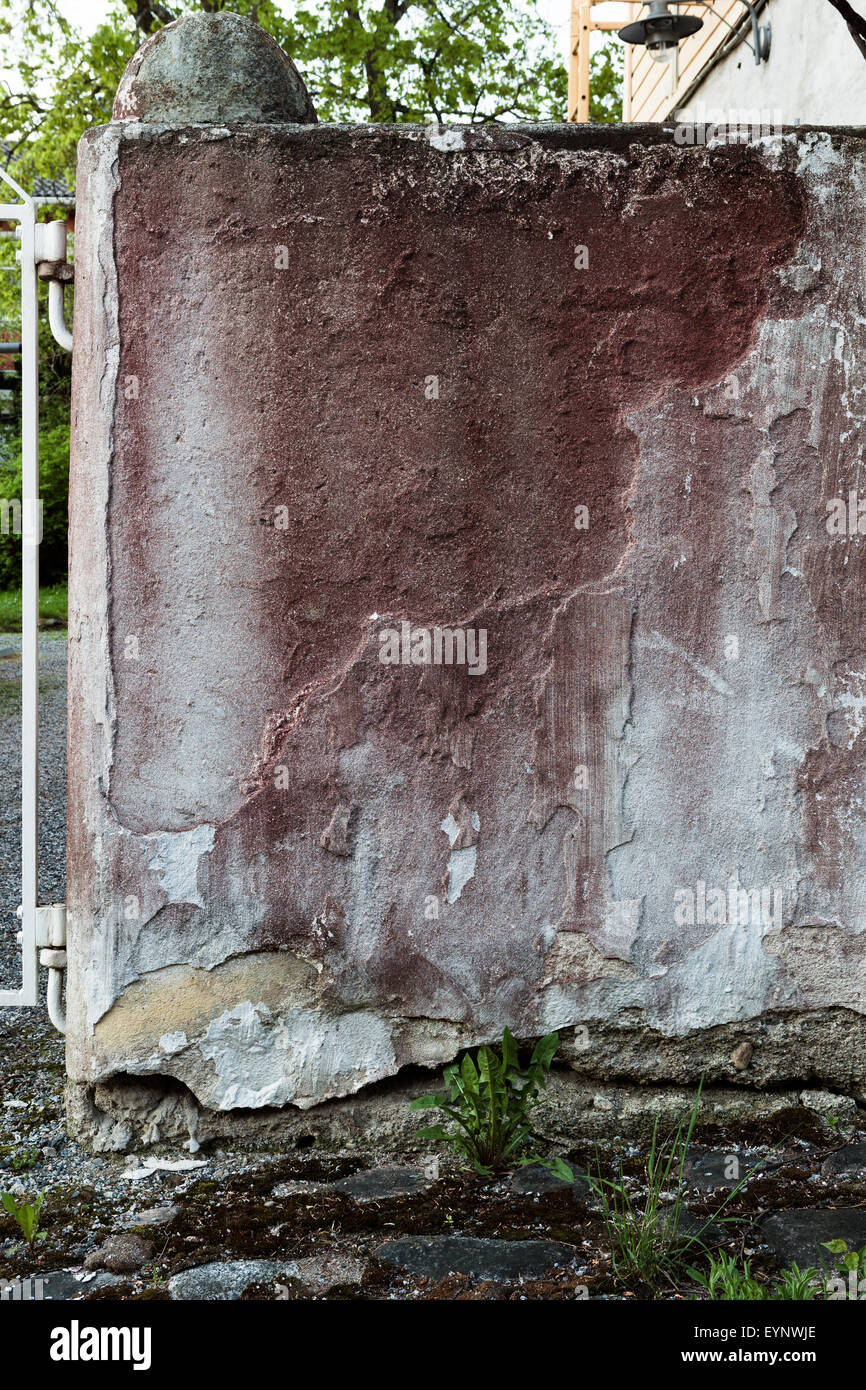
(333, 384)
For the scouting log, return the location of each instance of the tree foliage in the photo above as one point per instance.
(53, 491)
(605, 82)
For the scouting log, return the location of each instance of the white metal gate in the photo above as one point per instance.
(41, 928)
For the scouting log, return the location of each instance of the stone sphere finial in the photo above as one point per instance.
(212, 69)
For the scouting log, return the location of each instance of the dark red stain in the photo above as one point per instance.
(397, 503)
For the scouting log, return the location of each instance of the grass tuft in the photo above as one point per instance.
(53, 602)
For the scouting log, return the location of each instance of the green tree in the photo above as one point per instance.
(393, 60)
(605, 82)
(57, 83)
(54, 490)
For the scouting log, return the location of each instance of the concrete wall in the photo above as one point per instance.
(587, 393)
(814, 75)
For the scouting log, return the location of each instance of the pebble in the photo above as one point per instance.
(330, 1270)
(378, 1184)
(153, 1216)
(225, 1282)
(298, 1189)
(710, 1170)
(847, 1164)
(121, 1254)
(535, 1179)
(59, 1285)
(798, 1235)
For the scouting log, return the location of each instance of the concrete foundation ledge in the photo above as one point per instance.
(130, 1113)
(815, 1048)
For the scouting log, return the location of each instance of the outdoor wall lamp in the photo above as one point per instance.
(660, 32)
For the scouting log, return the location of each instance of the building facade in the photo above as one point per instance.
(814, 74)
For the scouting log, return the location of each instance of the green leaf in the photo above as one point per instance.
(545, 1051)
(488, 1099)
(560, 1169)
(429, 1103)
(851, 1260)
(836, 1247)
(517, 1140)
(469, 1075)
(490, 1069)
(509, 1051)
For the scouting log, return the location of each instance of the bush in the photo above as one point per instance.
(54, 490)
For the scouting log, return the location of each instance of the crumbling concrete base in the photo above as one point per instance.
(821, 1056)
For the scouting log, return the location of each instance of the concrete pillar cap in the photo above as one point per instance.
(212, 69)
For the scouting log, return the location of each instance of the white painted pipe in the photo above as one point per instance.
(51, 246)
(53, 957)
(54, 995)
(57, 316)
(56, 961)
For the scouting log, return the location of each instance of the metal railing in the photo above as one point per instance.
(42, 929)
(24, 213)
